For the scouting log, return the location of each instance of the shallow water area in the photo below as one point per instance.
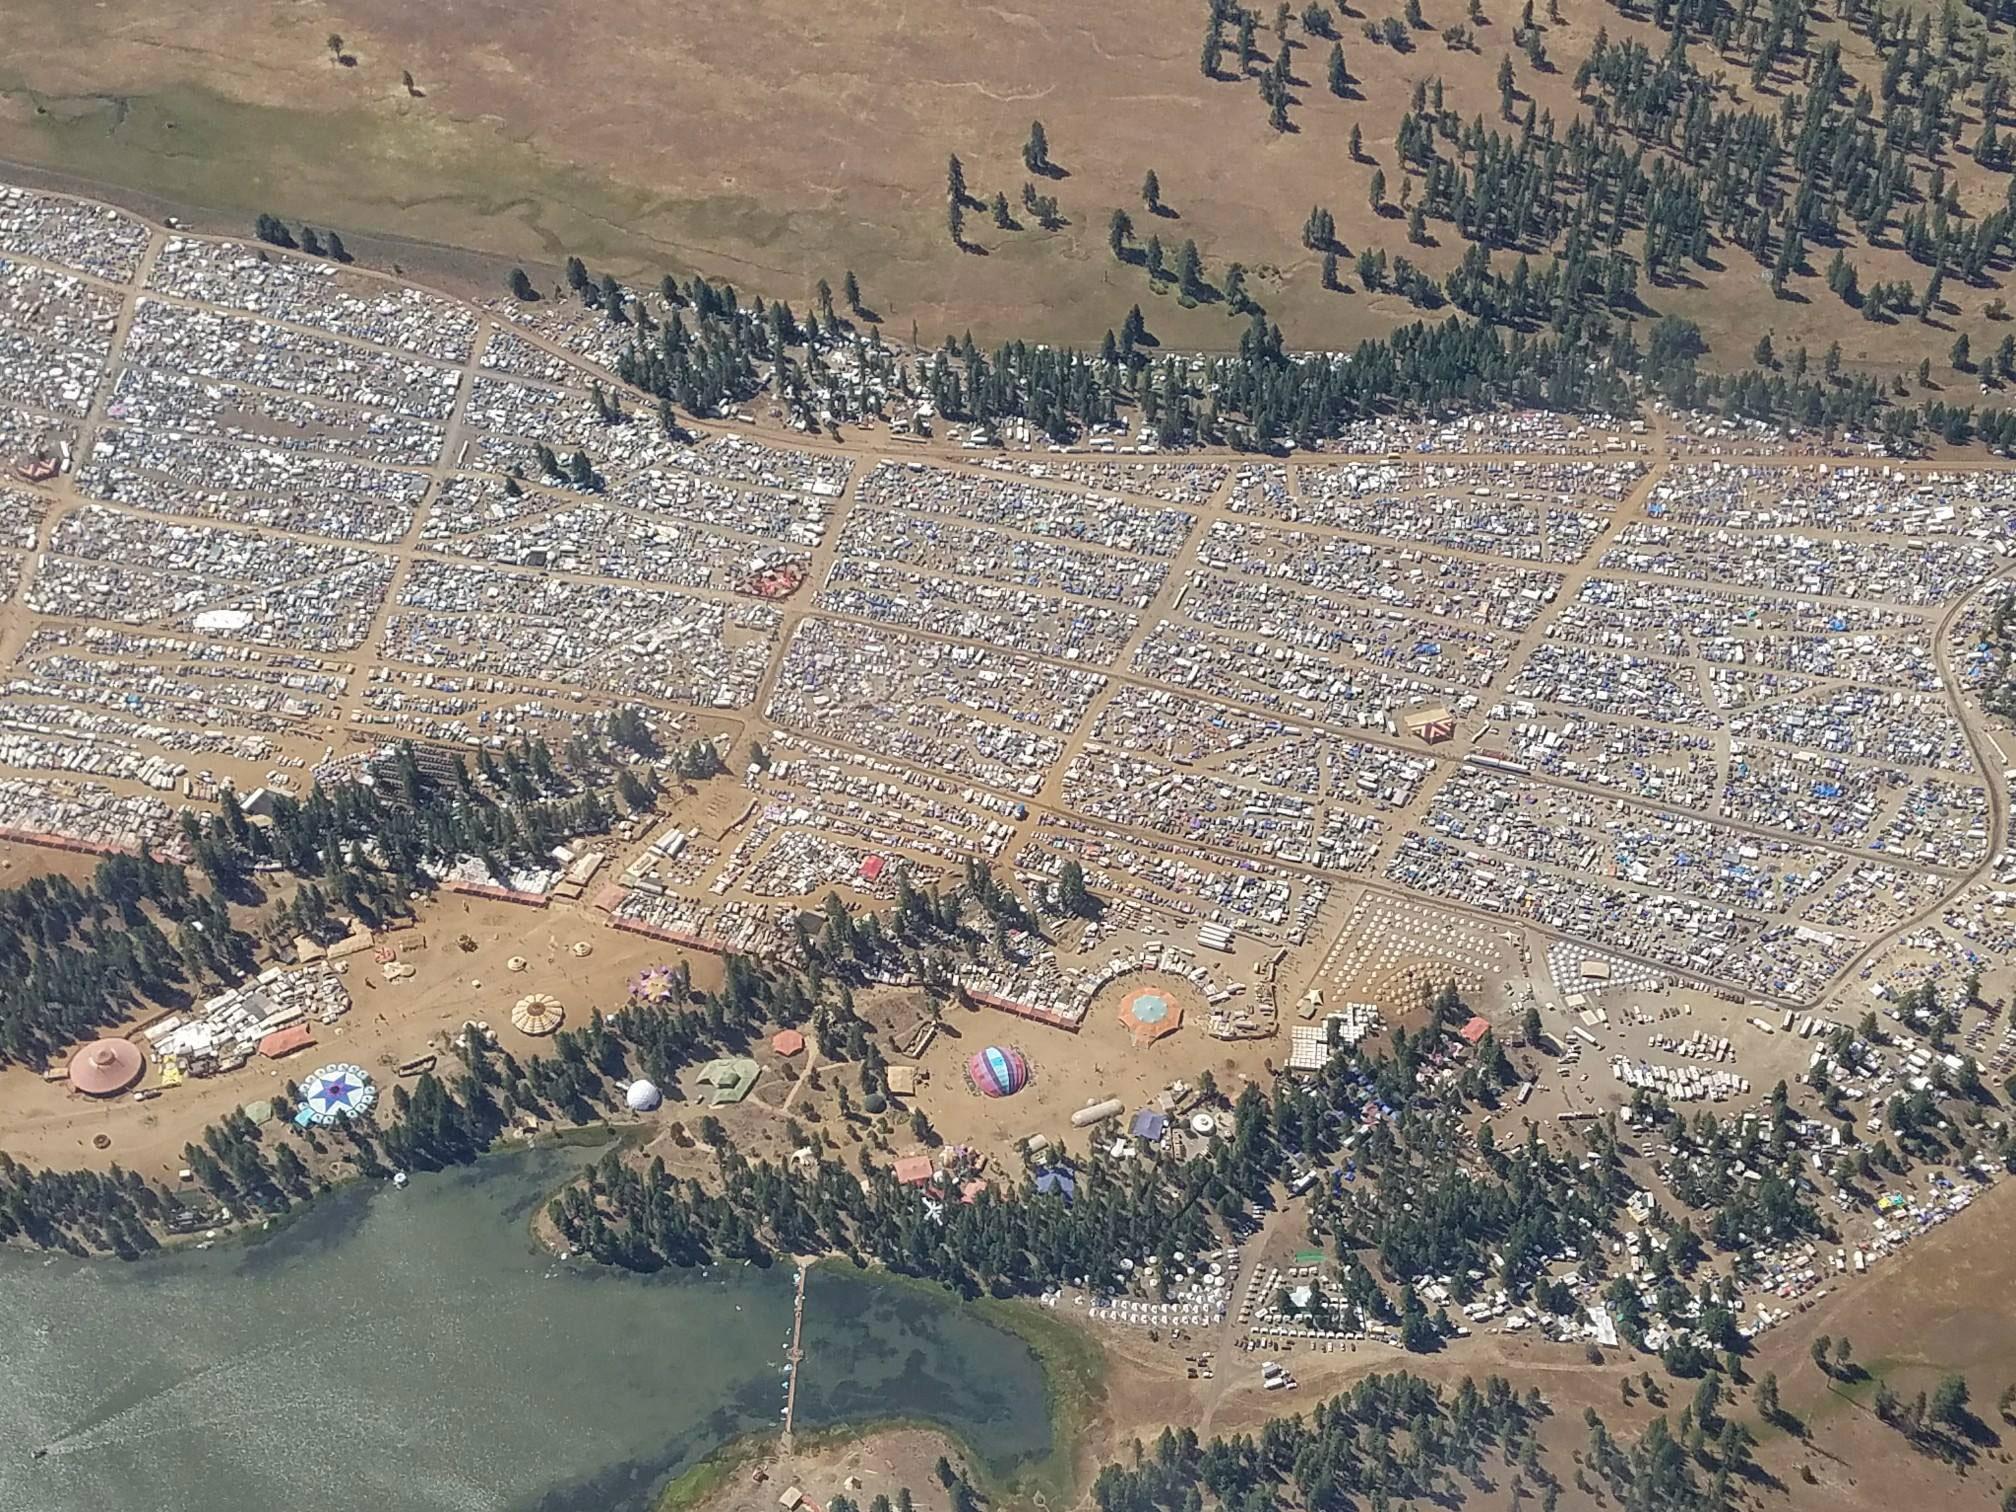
(415, 1350)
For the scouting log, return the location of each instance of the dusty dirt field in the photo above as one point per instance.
(795, 144)
(45, 1123)
(1067, 1070)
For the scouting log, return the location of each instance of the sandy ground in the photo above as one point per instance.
(45, 1123)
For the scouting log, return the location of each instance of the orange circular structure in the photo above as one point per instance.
(1148, 1013)
(106, 1067)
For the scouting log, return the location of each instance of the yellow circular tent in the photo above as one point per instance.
(537, 1013)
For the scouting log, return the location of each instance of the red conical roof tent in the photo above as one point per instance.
(105, 1067)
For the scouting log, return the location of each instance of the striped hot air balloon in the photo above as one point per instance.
(997, 1071)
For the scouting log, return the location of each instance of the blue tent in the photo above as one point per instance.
(1057, 1182)
(1148, 1124)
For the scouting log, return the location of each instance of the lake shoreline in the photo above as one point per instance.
(1073, 1367)
(434, 1306)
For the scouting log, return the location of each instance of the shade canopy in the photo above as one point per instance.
(537, 1013)
(106, 1067)
(656, 984)
(342, 1091)
(998, 1071)
(1148, 1015)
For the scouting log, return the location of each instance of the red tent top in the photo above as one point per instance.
(871, 868)
(1474, 1031)
(106, 1066)
(286, 1041)
(787, 1042)
(914, 1170)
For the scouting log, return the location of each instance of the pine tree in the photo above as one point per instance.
(1118, 229)
(1340, 81)
(1036, 151)
(1151, 193)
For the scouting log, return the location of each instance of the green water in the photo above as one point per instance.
(415, 1352)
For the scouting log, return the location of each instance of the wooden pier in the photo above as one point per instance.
(795, 1356)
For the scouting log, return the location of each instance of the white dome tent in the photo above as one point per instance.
(643, 1096)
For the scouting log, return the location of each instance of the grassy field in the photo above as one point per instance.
(795, 144)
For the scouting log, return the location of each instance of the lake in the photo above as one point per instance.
(415, 1351)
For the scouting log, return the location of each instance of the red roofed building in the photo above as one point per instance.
(1433, 725)
(787, 1042)
(286, 1041)
(1473, 1032)
(871, 868)
(913, 1170)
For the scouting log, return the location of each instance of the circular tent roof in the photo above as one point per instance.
(787, 1042)
(337, 1092)
(998, 1071)
(106, 1067)
(1149, 1014)
(537, 1013)
(643, 1096)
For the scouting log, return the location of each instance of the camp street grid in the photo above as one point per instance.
(1705, 713)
